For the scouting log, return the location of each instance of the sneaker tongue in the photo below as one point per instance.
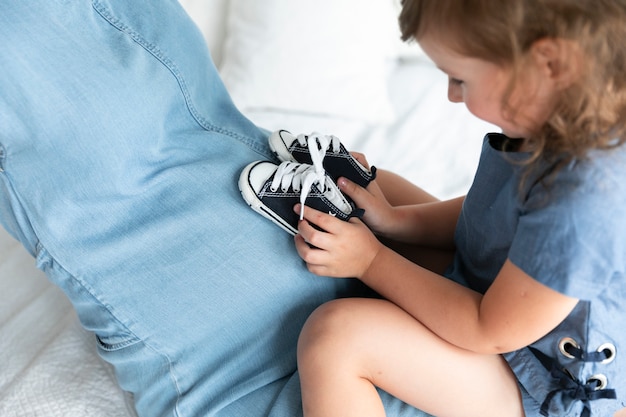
(311, 177)
(317, 145)
(302, 178)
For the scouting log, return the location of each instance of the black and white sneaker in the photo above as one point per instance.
(322, 151)
(273, 190)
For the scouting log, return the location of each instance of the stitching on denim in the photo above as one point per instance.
(112, 347)
(170, 65)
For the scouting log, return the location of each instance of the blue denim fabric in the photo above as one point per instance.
(119, 156)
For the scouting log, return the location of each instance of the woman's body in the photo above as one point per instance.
(120, 151)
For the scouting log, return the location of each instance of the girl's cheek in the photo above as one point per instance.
(477, 109)
(455, 93)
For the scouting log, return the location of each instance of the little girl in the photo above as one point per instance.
(528, 315)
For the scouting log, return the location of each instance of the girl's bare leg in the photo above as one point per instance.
(350, 346)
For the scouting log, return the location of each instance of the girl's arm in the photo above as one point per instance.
(426, 224)
(400, 211)
(515, 311)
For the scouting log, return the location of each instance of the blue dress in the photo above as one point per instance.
(569, 233)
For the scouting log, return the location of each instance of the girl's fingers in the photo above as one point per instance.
(325, 221)
(314, 257)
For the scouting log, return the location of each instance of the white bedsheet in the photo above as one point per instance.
(48, 364)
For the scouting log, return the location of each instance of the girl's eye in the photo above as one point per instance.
(455, 81)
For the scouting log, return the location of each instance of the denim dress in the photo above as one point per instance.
(569, 233)
(120, 152)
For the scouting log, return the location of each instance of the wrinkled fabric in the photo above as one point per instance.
(119, 156)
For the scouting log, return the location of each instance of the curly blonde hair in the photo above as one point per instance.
(591, 113)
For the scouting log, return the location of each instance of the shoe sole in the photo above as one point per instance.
(250, 197)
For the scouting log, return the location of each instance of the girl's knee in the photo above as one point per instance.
(325, 322)
(330, 330)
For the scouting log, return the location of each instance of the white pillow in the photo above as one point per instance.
(322, 57)
(210, 17)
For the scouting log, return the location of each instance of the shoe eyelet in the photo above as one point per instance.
(566, 344)
(611, 351)
(599, 381)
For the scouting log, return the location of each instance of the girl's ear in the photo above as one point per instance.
(558, 59)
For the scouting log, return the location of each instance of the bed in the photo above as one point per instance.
(331, 66)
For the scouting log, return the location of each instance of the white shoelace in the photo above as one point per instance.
(301, 177)
(318, 144)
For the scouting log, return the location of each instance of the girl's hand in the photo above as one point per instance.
(344, 249)
(379, 215)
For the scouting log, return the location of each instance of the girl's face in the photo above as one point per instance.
(482, 86)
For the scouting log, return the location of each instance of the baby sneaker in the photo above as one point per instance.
(273, 190)
(322, 151)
